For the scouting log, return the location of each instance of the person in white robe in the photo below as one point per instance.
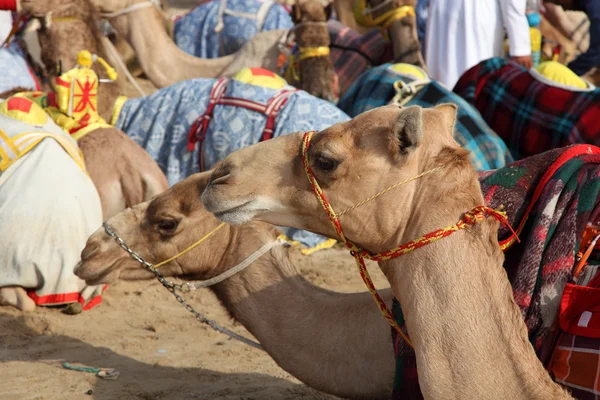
(462, 33)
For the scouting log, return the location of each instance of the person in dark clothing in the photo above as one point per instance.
(591, 58)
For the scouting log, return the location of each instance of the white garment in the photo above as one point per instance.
(6, 22)
(48, 208)
(462, 33)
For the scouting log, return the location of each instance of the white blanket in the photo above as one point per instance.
(48, 208)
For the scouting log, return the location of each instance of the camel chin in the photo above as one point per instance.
(239, 211)
(17, 297)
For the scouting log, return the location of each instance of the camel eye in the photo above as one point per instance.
(326, 164)
(168, 226)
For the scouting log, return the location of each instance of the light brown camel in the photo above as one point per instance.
(123, 172)
(466, 329)
(344, 14)
(333, 342)
(313, 74)
(165, 64)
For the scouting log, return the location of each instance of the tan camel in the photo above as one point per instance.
(123, 172)
(334, 342)
(164, 63)
(467, 331)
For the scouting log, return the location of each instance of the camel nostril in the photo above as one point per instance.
(88, 252)
(220, 175)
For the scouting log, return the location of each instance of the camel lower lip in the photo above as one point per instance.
(231, 210)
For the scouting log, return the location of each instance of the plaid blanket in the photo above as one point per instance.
(161, 122)
(375, 88)
(555, 194)
(352, 53)
(15, 69)
(530, 113)
(195, 32)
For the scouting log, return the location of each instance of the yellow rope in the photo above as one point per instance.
(364, 16)
(209, 234)
(311, 52)
(384, 191)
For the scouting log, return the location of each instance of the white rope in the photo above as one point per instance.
(127, 10)
(238, 268)
(117, 59)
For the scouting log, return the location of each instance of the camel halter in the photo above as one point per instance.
(363, 13)
(471, 217)
(189, 286)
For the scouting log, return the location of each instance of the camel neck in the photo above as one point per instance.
(334, 342)
(159, 56)
(468, 333)
(405, 43)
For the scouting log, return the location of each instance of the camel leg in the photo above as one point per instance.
(17, 297)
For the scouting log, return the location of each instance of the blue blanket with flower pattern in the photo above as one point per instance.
(197, 32)
(15, 70)
(375, 88)
(161, 122)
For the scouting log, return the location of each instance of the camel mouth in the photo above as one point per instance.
(238, 212)
(95, 274)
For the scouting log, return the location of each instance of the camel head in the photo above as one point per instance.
(160, 229)
(57, 8)
(351, 161)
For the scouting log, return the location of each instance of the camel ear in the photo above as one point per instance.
(328, 10)
(408, 128)
(296, 13)
(449, 111)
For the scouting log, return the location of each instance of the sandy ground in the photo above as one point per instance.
(160, 351)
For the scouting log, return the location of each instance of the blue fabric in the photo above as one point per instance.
(374, 88)
(15, 70)
(195, 33)
(160, 123)
(591, 58)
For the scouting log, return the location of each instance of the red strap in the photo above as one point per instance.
(271, 109)
(198, 129)
(275, 104)
(9, 5)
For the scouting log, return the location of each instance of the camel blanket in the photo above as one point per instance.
(531, 113)
(197, 32)
(161, 124)
(15, 69)
(567, 181)
(352, 53)
(48, 208)
(375, 88)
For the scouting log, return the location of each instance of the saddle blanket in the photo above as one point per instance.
(16, 72)
(549, 199)
(352, 53)
(531, 113)
(161, 124)
(48, 208)
(218, 28)
(375, 88)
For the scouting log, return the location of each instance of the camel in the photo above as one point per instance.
(164, 63)
(122, 171)
(465, 327)
(307, 330)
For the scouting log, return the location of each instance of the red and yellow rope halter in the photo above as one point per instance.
(470, 218)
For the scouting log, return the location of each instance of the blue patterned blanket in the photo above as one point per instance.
(161, 123)
(15, 70)
(197, 31)
(375, 88)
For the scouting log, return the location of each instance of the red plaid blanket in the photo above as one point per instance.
(532, 116)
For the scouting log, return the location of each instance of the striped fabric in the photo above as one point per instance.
(352, 53)
(375, 88)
